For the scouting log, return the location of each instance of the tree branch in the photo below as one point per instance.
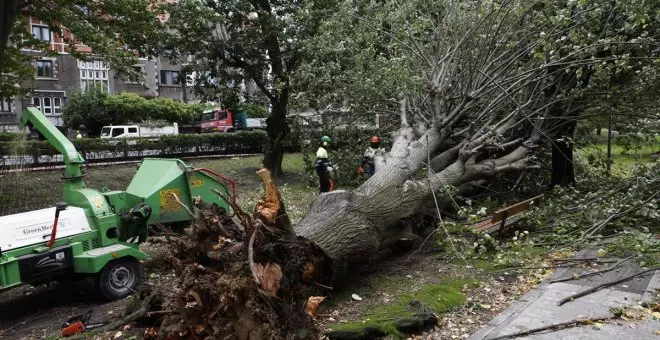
(554, 327)
(582, 276)
(604, 285)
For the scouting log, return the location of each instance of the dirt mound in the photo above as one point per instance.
(242, 276)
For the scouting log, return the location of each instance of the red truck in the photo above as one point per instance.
(225, 120)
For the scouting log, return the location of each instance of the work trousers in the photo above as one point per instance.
(324, 180)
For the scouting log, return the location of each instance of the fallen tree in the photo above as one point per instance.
(501, 82)
(495, 93)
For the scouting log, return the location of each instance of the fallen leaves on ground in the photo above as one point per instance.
(636, 312)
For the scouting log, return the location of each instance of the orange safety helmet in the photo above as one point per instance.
(375, 139)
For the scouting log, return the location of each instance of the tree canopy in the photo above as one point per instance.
(259, 41)
(368, 53)
(95, 109)
(118, 30)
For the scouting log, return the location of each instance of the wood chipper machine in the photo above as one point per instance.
(97, 232)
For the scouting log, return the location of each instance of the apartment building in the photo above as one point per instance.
(57, 77)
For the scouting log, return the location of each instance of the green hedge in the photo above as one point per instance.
(96, 149)
(95, 109)
(347, 147)
(10, 136)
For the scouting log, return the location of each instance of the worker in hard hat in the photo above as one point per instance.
(368, 163)
(324, 166)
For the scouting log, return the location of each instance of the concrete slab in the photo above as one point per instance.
(545, 311)
(636, 285)
(538, 308)
(653, 287)
(627, 330)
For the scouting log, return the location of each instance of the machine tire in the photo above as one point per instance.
(119, 278)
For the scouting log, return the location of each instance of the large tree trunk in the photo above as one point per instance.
(563, 171)
(352, 226)
(8, 12)
(277, 129)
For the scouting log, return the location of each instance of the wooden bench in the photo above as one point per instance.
(505, 217)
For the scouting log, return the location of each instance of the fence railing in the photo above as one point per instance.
(16, 153)
(26, 154)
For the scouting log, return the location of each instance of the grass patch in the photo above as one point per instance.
(434, 298)
(624, 158)
(487, 265)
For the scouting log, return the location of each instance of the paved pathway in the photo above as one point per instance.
(539, 308)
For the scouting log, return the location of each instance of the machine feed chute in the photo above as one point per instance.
(167, 185)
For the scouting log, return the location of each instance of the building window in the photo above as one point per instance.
(57, 105)
(49, 106)
(45, 68)
(41, 32)
(137, 77)
(36, 102)
(94, 74)
(5, 105)
(169, 77)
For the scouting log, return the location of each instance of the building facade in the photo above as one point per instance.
(57, 77)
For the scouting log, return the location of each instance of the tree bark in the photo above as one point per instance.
(277, 129)
(352, 226)
(563, 171)
(8, 12)
(562, 164)
(183, 78)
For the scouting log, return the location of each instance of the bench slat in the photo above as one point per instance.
(514, 209)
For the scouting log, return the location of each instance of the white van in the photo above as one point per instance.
(131, 131)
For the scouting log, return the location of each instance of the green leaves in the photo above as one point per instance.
(95, 108)
(240, 40)
(604, 206)
(193, 144)
(355, 62)
(117, 30)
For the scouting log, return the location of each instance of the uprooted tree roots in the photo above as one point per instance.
(245, 276)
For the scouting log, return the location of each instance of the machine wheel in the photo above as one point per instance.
(119, 278)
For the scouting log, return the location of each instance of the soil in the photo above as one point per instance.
(380, 284)
(38, 313)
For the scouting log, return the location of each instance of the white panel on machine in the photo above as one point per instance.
(34, 227)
